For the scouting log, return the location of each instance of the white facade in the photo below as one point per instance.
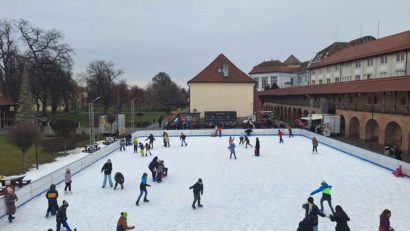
(388, 65)
(281, 79)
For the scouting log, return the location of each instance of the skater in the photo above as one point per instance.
(135, 141)
(182, 137)
(257, 147)
(141, 146)
(315, 143)
(326, 195)
(10, 199)
(198, 188)
(122, 144)
(67, 180)
(385, 221)
(232, 149)
(312, 212)
(52, 196)
(119, 179)
(248, 131)
(147, 149)
(107, 168)
(143, 188)
(122, 224)
(166, 139)
(305, 225)
(161, 171)
(153, 167)
(290, 131)
(151, 140)
(128, 139)
(247, 142)
(341, 219)
(61, 217)
(280, 134)
(231, 140)
(241, 139)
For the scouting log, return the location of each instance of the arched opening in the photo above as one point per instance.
(289, 114)
(305, 113)
(372, 131)
(299, 113)
(285, 114)
(294, 114)
(393, 134)
(342, 125)
(354, 128)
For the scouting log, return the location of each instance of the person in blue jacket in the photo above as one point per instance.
(143, 188)
(326, 195)
(232, 149)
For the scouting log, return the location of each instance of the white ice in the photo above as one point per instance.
(250, 193)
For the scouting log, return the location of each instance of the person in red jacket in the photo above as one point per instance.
(280, 134)
(385, 221)
(122, 223)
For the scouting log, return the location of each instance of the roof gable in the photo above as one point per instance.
(213, 73)
(272, 67)
(292, 61)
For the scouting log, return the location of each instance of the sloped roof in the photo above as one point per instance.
(273, 66)
(392, 84)
(292, 61)
(212, 73)
(5, 102)
(392, 43)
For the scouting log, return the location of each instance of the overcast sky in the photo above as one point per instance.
(181, 37)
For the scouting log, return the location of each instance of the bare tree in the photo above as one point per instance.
(64, 128)
(163, 91)
(121, 93)
(23, 135)
(99, 77)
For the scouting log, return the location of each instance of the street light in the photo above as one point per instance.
(91, 119)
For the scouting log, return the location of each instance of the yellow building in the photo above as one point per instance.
(221, 86)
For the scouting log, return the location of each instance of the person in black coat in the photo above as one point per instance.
(312, 212)
(151, 140)
(119, 179)
(61, 217)
(198, 188)
(341, 219)
(107, 169)
(247, 142)
(305, 225)
(182, 137)
(52, 196)
(257, 147)
(153, 167)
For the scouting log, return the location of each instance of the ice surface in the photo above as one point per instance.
(250, 193)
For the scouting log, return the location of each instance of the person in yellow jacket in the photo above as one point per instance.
(135, 142)
(122, 224)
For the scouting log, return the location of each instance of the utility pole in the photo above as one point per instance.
(91, 120)
(132, 115)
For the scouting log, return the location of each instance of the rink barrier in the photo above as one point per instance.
(41, 185)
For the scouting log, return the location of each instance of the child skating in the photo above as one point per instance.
(143, 188)
(198, 189)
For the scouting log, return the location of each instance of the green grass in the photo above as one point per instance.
(11, 157)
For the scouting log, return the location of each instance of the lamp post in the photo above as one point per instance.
(91, 119)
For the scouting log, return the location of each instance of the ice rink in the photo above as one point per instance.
(250, 193)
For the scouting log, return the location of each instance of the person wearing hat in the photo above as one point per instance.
(326, 195)
(311, 213)
(143, 188)
(67, 180)
(198, 187)
(52, 196)
(119, 179)
(122, 224)
(10, 199)
(107, 168)
(61, 217)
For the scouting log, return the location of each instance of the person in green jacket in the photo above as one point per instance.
(326, 195)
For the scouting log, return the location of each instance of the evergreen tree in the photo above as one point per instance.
(25, 101)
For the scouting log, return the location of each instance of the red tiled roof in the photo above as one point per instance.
(392, 84)
(273, 66)
(5, 102)
(376, 47)
(212, 73)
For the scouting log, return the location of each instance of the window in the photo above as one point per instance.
(400, 73)
(264, 82)
(370, 62)
(273, 80)
(400, 57)
(337, 80)
(320, 81)
(369, 76)
(357, 64)
(357, 77)
(383, 74)
(383, 59)
(313, 82)
(327, 80)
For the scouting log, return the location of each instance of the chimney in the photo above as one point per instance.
(225, 70)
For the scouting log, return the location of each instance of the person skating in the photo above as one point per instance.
(231, 140)
(198, 189)
(61, 217)
(341, 219)
(326, 195)
(312, 212)
(247, 142)
(67, 180)
(280, 134)
(241, 140)
(122, 223)
(290, 131)
(161, 171)
(122, 144)
(107, 168)
(135, 141)
(10, 198)
(151, 140)
(385, 221)
(315, 143)
(142, 147)
(182, 137)
(147, 149)
(305, 225)
(257, 147)
(52, 196)
(153, 167)
(119, 179)
(166, 139)
(232, 149)
(143, 188)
